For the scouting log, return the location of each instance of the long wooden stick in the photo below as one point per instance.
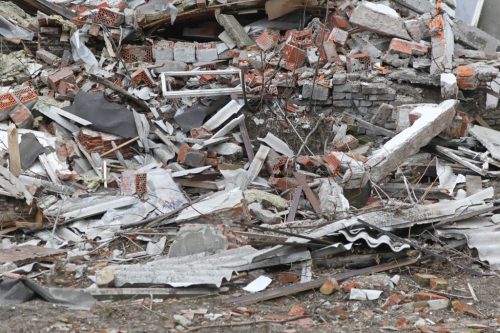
(112, 150)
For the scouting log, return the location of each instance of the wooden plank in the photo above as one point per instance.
(256, 165)
(311, 197)
(14, 155)
(295, 204)
(246, 141)
(28, 253)
(314, 284)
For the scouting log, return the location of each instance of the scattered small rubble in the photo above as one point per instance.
(248, 150)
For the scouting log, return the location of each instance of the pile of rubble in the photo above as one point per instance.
(140, 149)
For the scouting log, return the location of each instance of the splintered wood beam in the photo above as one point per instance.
(14, 155)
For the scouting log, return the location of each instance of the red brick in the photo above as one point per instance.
(7, 102)
(109, 17)
(26, 96)
(268, 39)
(136, 53)
(181, 155)
(425, 296)
(292, 57)
(340, 22)
(65, 74)
(406, 47)
(22, 117)
(142, 76)
(358, 62)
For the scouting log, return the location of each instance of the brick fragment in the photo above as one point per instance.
(21, 116)
(401, 46)
(292, 57)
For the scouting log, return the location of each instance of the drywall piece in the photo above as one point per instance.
(433, 120)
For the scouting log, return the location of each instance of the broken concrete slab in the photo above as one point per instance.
(489, 138)
(474, 37)
(379, 18)
(433, 120)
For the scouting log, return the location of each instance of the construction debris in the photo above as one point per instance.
(205, 145)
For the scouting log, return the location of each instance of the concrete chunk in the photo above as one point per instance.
(235, 30)
(449, 86)
(379, 18)
(433, 120)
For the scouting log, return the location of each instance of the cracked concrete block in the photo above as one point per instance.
(379, 18)
(197, 238)
(449, 86)
(319, 93)
(264, 215)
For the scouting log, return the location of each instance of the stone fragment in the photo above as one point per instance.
(379, 18)
(329, 286)
(438, 304)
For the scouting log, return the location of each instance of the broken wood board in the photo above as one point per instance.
(21, 255)
(315, 284)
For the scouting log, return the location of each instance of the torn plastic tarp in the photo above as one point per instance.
(10, 30)
(20, 291)
(105, 116)
(80, 51)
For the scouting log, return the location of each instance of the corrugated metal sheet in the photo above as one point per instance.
(485, 239)
(360, 234)
(198, 269)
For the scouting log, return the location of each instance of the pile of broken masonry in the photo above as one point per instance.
(131, 150)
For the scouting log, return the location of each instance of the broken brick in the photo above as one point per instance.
(406, 47)
(426, 296)
(21, 116)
